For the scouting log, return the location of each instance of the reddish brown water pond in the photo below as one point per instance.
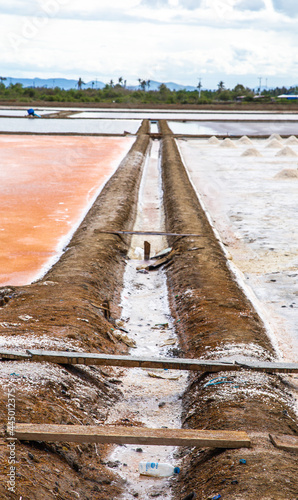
(47, 184)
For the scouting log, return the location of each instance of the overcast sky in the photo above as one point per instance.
(236, 41)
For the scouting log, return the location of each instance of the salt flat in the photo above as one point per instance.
(252, 202)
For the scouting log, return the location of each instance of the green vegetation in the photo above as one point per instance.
(119, 93)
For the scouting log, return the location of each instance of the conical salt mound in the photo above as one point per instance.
(245, 140)
(275, 136)
(227, 143)
(291, 140)
(286, 151)
(251, 152)
(213, 140)
(287, 173)
(274, 143)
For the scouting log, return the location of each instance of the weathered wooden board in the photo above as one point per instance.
(285, 442)
(274, 366)
(14, 355)
(85, 358)
(65, 357)
(149, 233)
(132, 435)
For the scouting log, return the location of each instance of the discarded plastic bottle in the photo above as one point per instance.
(157, 469)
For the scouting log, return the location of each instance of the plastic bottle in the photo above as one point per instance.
(157, 469)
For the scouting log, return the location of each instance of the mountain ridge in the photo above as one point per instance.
(68, 84)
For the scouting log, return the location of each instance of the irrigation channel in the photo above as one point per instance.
(151, 397)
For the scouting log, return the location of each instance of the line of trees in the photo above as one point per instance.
(119, 92)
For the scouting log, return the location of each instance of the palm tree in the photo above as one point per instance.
(148, 83)
(2, 78)
(221, 86)
(80, 83)
(142, 83)
(199, 86)
(120, 80)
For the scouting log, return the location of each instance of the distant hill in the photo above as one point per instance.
(66, 84)
(62, 83)
(172, 86)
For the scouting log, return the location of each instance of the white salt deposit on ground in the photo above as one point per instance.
(255, 214)
(275, 136)
(245, 140)
(287, 173)
(292, 140)
(213, 140)
(251, 152)
(274, 143)
(286, 151)
(227, 143)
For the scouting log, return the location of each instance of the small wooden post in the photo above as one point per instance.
(106, 309)
(147, 248)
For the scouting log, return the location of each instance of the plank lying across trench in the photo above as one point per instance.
(285, 442)
(84, 358)
(132, 435)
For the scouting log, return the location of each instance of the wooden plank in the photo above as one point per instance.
(129, 361)
(132, 435)
(147, 233)
(14, 355)
(84, 358)
(266, 366)
(285, 442)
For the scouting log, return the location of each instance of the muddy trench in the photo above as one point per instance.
(209, 313)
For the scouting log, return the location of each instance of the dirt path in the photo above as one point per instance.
(217, 320)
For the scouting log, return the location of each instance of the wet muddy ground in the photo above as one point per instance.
(213, 318)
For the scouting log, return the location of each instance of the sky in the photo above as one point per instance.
(181, 41)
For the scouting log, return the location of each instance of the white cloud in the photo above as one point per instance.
(289, 7)
(164, 40)
(250, 5)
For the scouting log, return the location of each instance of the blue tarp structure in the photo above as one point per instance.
(31, 112)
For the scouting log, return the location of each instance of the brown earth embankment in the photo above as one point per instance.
(289, 107)
(63, 311)
(217, 320)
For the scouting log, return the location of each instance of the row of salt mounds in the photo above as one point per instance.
(287, 173)
(213, 140)
(291, 140)
(286, 151)
(251, 152)
(274, 143)
(227, 143)
(245, 140)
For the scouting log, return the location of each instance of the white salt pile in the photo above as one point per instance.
(245, 140)
(275, 136)
(213, 140)
(291, 140)
(251, 152)
(227, 143)
(274, 143)
(286, 151)
(287, 173)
